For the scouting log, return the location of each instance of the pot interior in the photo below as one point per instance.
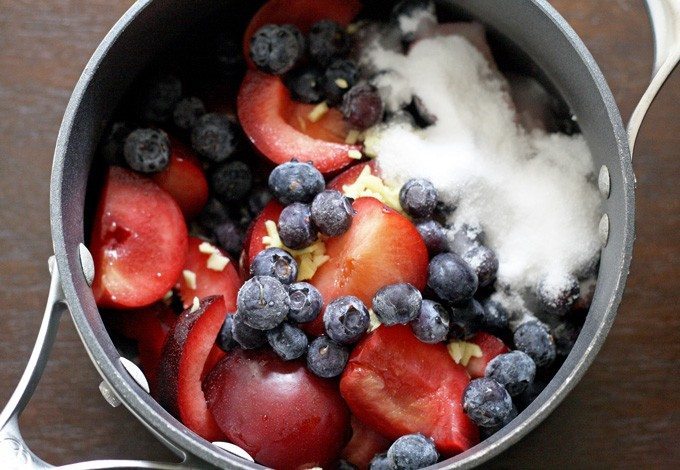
(527, 37)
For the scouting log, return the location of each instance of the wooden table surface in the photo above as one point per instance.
(624, 413)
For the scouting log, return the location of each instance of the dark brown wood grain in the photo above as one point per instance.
(626, 411)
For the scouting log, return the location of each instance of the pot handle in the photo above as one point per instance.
(14, 453)
(664, 16)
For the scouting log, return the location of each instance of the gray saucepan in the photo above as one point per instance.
(530, 26)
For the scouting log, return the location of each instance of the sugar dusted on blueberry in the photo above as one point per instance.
(381, 462)
(288, 341)
(346, 319)
(484, 262)
(326, 358)
(275, 262)
(558, 293)
(397, 304)
(534, 339)
(147, 150)
(263, 302)
(418, 198)
(487, 402)
(434, 236)
(412, 452)
(296, 182)
(514, 370)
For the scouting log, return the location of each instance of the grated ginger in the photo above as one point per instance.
(369, 185)
(308, 259)
(461, 352)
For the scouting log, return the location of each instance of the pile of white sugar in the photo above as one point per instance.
(531, 192)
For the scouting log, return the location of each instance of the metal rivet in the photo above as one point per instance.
(136, 373)
(604, 181)
(603, 229)
(51, 263)
(108, 394)
(234, 449)
(14, 453)
(86, 264)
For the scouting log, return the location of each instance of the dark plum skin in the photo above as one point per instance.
(185, 353)
(278, 411)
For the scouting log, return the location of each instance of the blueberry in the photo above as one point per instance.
(565, 335)
(295, 226)
(231, 181)
(306, 85)
(225, 338)
(484, 262)
(412, 452)
(465, 320)
(362, 106)
(229, 235)
(418, 198)
(305, 302)
(486, 402)
(381, 462)
(397, 304)
(412, 7)
(485, 433)
(276, 48)
(434, 236)
(245, 336)
(159, 95)
(213, 214)
(464, 238)
(495, 316)
(339, 77)
(147, 150)
(432, 323)
(346, 319)
(287, 341)
(263, 302)
(326, 358)
(257, 201)
(214, 137)
(187, 112)
(514, 370)
(534, 339)
(558, 295)
(451, 278)
(327, 39)
(112, 148)
(228, 56)
(332, 213)
(275, 262)
(295, 182)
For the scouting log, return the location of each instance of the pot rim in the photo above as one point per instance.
(197, 451)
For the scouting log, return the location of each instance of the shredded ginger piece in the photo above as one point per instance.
(369, 185)
(308, 259)
(217, 261)
(374, 321)
(462, 352)
(207, 248)
(189, 278)
(195, 305)
(318, 112)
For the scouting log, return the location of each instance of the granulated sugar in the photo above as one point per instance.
(531, 193)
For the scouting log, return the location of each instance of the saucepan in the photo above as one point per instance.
(530, 26)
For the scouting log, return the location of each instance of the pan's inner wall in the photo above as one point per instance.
(564, 68)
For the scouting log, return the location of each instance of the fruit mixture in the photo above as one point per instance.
(284, 288)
